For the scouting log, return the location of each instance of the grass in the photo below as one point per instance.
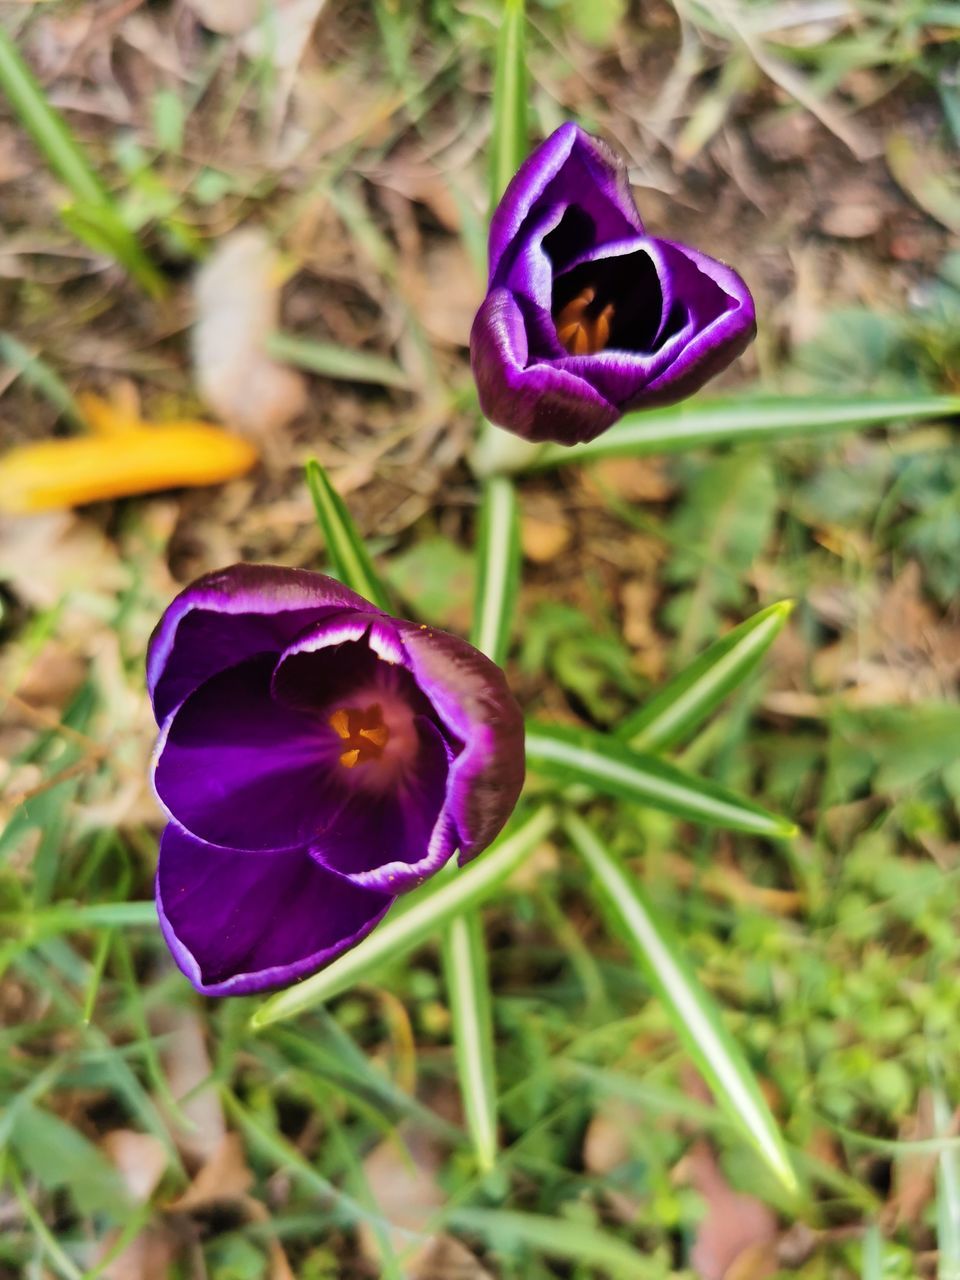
(824, 966)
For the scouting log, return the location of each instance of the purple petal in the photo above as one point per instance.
(236, 767)
(238, 922)
(538, 398)
(393, 838)
(472, 698)
(721, 331)
(575, 170)
(234, 614)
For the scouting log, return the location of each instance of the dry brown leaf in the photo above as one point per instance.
(403, 1182)
(224, 1177)
(237, 296)
(187, 1065)
(149, 1256)
(737, 1237)
(633, 479)
(226, 17)
(141, 1159)
(51, 556)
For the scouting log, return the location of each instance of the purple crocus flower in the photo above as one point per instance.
(316, 758)
(586, 316)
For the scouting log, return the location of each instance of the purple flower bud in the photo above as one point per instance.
(316, 758)
(586, 316)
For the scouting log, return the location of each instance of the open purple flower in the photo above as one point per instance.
(586, 316)
(316, 758)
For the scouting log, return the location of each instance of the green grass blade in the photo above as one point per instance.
(333, 361)
(692, 695)
(692, 1010)
(498, 568)
(430, 909)
(66, 158)
(574, 1242)
(948, 1197)
(351, 560)
(698, 425)
(578, 755)
(467, 981)
(38, 374)
(871, 1254)
(508, 146)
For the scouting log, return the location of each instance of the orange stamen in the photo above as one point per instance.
(363, 733)
(584, 333)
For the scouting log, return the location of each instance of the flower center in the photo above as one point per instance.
(362, 732)
(583, 323)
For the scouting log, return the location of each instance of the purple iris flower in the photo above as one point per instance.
(586, 316)
(316, 758)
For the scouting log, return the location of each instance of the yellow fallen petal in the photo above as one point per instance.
(68, 473)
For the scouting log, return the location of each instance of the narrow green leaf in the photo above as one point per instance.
(334, 361)
(693, 1012)
(555, 1238)
(686, 700)
(68, 161)
(498, 568)
(429, 910)
(351, 560)
(508, 146)
(712, 422)
(578, 755)
(467, 982)
(871, 1254)
(38, 374)
(948, 1196)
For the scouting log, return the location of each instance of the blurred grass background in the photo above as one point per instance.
(813, 144)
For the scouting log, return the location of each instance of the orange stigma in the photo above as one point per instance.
(582, 329)
(364, 734)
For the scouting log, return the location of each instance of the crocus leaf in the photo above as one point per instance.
(579, 755)
(468, 990)
(508, 146)
(686, 700)
(692, 1010)
(70, 472)
(94, 217)
(426, 912)
(348, 554)
(498, 565)
(332, 361)
(948, 1193)
(711, 422)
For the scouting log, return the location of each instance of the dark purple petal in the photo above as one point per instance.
(238, 922)
(536, 398)
(233, 614)
(393, 838)
(236, 767)
(472, 698)
(573, 170)
(722, 316)
(586, 317)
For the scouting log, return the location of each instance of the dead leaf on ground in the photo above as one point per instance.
(545, 528)
(402, 1176)
(187, 1065)
(928, 176)
(53, 555)
(633, 479)
(737, 1237)
(142, 1160)
(224, 1177)
(226, 17)
(237, 295)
